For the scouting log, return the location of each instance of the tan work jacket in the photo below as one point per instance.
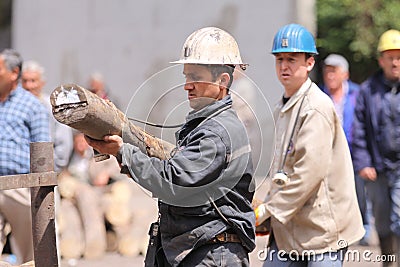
(317, 209)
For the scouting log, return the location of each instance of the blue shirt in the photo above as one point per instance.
(23, 119)
(347, 108)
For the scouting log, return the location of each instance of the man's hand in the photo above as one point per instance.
(111, 144)
(368, 173)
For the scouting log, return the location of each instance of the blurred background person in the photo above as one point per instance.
(33, 80)
(244, 94)
(23, 119)
(343, 93)
(80, 158)
(376, 141)
(98, 86)
(341, 90)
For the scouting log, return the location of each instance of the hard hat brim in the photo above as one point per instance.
(293, 50)
(243, 66)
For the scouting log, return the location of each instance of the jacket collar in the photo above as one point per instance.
(210, 109)
(294, 98)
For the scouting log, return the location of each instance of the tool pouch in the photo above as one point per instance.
(154, 241)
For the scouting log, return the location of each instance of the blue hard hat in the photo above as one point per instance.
(294, 38)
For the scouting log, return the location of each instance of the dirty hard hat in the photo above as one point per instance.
(389, 40)
(210, 45)
(294, 38)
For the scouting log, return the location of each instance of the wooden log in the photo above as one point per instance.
(131, 231)
(82, 110)
(71, 231)
(117, 203)
(132, 241)
(122, 190)
(143, 215)
(116, 213)
(67, 185)
(112, 241)
(87, 201)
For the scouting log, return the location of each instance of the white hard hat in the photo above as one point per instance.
(211, 45)
(336, 60)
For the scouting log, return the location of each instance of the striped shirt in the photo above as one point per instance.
(23, 119)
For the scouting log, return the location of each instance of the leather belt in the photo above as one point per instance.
(225, 238)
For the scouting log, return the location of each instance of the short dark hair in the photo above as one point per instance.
(308, 55)
(217, 70)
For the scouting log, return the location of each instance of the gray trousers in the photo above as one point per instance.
(384, 196)
(224, 254)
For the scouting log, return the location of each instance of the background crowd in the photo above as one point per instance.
(369, 114)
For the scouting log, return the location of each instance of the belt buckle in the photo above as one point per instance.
(222, 237)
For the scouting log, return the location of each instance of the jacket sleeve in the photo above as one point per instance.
(188, 172)
(360, 153)
(307, 166)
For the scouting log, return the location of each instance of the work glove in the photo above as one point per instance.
(261, 214)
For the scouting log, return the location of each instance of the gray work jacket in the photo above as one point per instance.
(212, 160)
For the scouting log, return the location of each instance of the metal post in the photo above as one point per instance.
(42, 209)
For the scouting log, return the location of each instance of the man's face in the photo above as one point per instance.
(334, 77)
(201, 88)
(390, 64)
(7, 79)
(292, 70)
(32, 81)
(96, 86)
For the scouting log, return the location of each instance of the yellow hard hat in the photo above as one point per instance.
(210, 45)
(389, 40)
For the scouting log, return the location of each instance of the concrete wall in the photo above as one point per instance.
(129, 41)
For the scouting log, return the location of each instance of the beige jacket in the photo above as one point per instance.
(317, 210)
